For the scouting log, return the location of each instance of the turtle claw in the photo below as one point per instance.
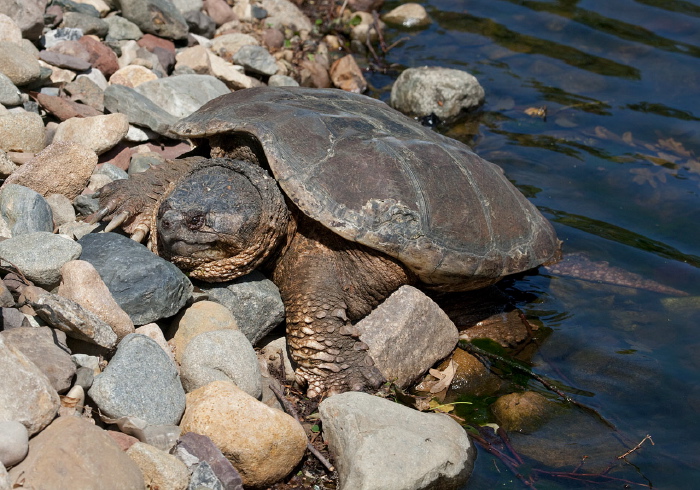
(117, 220)
(139, 234)
(98, 215)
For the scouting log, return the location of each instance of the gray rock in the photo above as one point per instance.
(25, 210)
(183, 94)
(5, 482)
(9, 94)
(6, 299)
(85, 205)
(254, 301)
(140, 162)
(256, 59)
(111, 171)
(283, 13)
(157, 17)
(379, 444)
(47, 349)
(86, 91)
(14, 442)
(282, 81)
(18, 65)
(96, 77)
(204, 477)
(140, 381)
(140, 110)
(192, 448)
(121, 29)
(407, 334)
(188, 5)
(52, 38)
(26, 394)
(200, 23)
(86, 23)
(163, 437)
(13, 318)
(61, 209)
(221, 355)
(64, 61)
(39, 255)
(78, 7)
(84, 376)
(27, 14)
(147, 287)
(444, 92)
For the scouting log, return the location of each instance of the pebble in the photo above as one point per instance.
(157, 17)
(221, 355)
(256, 59)
(377, 443)
(21, 131)
(283, 13)
(227, 45)
(121, 29)
(39, 255)
(9, 93)
(346, 75)
(14, 442)
(264, 444)
(25, 211)
(132, 273)
(192, 448)
(160, 469)
(61, 209)
(202, 316)
(140, 381)
(26, 394)
(63, 108)
(89, 24)
(101, 57)
(132, 76)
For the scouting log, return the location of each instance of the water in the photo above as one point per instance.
(616, 166)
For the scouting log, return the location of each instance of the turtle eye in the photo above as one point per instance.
(195, 222)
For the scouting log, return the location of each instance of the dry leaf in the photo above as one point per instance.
(436, 406)
(537, 111)
(445, 377)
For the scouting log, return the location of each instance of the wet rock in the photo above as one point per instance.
(74, 453)
(14, 442)
(27, 14)
(21, 131)
(524, 412)
(254, 301)
(121, 29)
(82, 284)
(256, 59)
(132, 76)
(64, 109)
(132, 272)
(100, 56)
(203, 316)
(224, 355)
(193, 448)
(282, 13)
(471, 376)
(160, 469)
(139, 109)
(87, 23)
(157, 17)
(444, 92)
(26, 394)
(408, 15)
(264, 443)
(24, 211)
(61, 168)
(9, 94)
(377, 443)
(400, 345)
(99, 133)
(140, 381)
(346, 75)
(71, 318)
(46, 348)
(184, 94)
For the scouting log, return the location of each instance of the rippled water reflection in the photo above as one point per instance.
(616, 166)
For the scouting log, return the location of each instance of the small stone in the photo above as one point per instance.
(273, 39)
(84, 377)
(219, 11)
(256, 59)
(203, 477)
(100, 56)
(282, 81)
(18, 65)
(160, 469)
(200, 24)
(313, 74)
(24, 211)
(408, 15)
(232, 75)
(196, 57)
(283, 13)
(121, 29)
(87, 23)
(184, 94)
(64, 109)
(64, 61)
(203, 316)
(21, 132)
(99, 133)
(366, 29)
(14, 442)
(132, 76)
(346, 75)
(140, 162)
(9, 94)
(228, 45)
(157, 17)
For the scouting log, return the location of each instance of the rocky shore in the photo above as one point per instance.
(119, 371)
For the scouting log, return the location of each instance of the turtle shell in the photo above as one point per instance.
(377, 177)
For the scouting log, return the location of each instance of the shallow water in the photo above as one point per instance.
(616, 166)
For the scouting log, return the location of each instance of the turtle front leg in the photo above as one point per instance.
(328, 283)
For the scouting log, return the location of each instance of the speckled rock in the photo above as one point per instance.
(132, 76)
(140, 381)
(39, 255)
(283, 13)
(160, 469)
(99, 133)
(202, 316)
(21, 132)
(18, 65)
(158, 17)
(9, 94)
(24, 210)
(139, 109)
(264, 444)
(256, 59)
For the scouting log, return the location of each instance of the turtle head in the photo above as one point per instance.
(221, 220)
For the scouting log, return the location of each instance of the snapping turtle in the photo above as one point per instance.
(341, 200)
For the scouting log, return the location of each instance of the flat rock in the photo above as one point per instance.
(21, 132)
(60, 168)
(89, 24)
(64, 61)
(46, 348)
(55, 36)
(160, 469)
(26, 394)
(132, 76)
(202, 316)
(140, 110)
(254, 301)
(14, 442)
(444, 92)
(262, 443)
(140, 381)
(407, 335)
(157, 17)
(256, 59)
(184, 94)
(99, 133)
(84, 90)
(18, 65)
(74, 453)
(132, 273)
(380, 444)
(39, 255)
(193, 448)
(63, 108)
(24, 210)
(224, 355)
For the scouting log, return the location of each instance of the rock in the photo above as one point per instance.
(132, 76)
(27, 14)
(224, 355)
(219, 11)
(276, 355)
(46, 348)
(139, 109)
(99, 133)
(188, 5)
(84, 377)
(61, 168)
(157, 17)
(13, 318)
(400, 345)
(88, 24)
(140, 162)
(6, 299)
(99, 5)
(153, 331)
(203, 477)
(184, 94)
(196, 58)
(444, 92)
(79, 7)
(377, 443)
(39, 255)
(140, 381)
(524, 412)
(64, 61)
(254, 301)
(71, 318)
(96, 77)
(9, 30)
(61, 209)
(366, 29)
(282, 81)
(273, 39)
(14, 442)
(471, 376)
(365, 5)
(124, 441)
(256, 59)
(200, 23)
(100, 56)
(346, 75)
(132, 273)
(283, 13)
(313, 74)
(227, 45)
(22, 132)
(7, 166)
(265, 444)
(160, 469)
(24, 211)
(203, 316)
(121, 29)
(82, 284)
(74, 453)
(55, 36)
(9, 94)
(86, 91)
(26, 394)
(63, 108)
(408, 15)
(232, 75)
(194, 448)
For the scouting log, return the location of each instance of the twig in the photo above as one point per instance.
(637, 446)
(395, 43)
(342, 9)
(289, 408)
(382, 44)
(506, 440)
